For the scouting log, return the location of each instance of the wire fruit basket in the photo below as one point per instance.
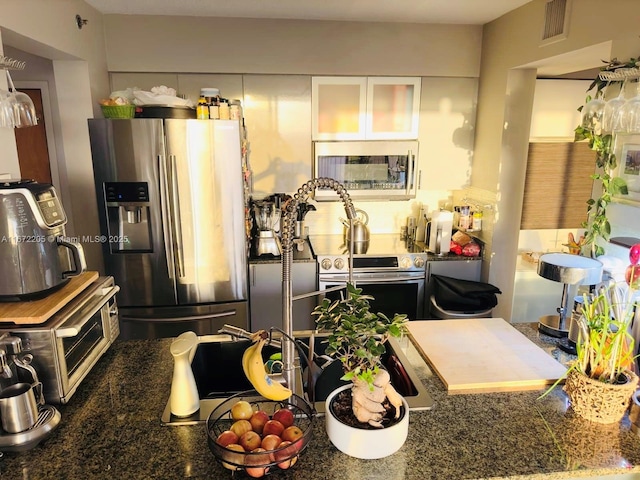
(118, 111)
(259, 463)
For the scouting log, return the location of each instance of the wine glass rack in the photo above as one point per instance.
(620, 75)
(7, 63)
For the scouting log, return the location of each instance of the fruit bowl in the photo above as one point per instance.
(288, 425)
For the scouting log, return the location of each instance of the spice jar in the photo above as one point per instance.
(212, 95)
(235, 109)
(223, 109)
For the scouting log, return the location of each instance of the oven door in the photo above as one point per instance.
(82, 338)
(393, 292)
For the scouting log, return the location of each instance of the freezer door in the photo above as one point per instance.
(207, 204)
(127, 156)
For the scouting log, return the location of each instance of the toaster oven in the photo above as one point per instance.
(67, 346)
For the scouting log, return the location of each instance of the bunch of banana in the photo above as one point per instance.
(253, 367)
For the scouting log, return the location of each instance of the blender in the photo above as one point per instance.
(267, 217)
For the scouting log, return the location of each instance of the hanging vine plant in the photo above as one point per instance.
(597, 224)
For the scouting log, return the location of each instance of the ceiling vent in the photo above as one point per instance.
(556, 21)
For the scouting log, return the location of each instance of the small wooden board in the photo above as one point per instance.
(483, 355)
(39, 311)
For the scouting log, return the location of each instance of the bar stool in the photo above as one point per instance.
(572, 270)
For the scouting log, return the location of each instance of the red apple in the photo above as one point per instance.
(284, 416)
(285, 455)
(271, 442)
(258, 419)
(227, 437)
(254, 458)
(241, 410)
(250, 440)
(237, 458)
(292, 433)
(273, 427)
(632, 276)
(634, 254)
(240, 427)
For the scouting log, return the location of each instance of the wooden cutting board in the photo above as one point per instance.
(483, 355)
(39, 311)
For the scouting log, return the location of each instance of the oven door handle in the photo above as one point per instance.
(189, 318)
(73, 327)
(365, 280)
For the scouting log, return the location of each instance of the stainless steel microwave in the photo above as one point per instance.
(369, 170)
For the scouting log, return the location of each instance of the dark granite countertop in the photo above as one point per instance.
(111, 429)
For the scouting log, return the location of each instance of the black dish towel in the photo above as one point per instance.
(463, 295)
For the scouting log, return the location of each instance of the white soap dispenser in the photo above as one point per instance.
(184, 399)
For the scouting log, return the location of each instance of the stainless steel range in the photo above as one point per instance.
(390, 269)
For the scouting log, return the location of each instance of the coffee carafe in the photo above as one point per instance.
(266, 240)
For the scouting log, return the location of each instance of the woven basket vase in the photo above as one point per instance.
(598, 401)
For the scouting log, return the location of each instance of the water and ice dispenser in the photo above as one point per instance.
(128, 216)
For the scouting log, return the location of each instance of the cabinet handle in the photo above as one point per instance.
(419, 179)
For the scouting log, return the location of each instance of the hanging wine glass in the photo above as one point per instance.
(24, 111)
(612, 115)
(630, 114)
(592, 114)
(6, 109)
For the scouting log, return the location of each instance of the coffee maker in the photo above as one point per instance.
(265, 239)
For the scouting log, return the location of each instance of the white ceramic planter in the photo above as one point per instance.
(365, 444)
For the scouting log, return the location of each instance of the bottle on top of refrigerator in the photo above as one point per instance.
(212, 95)
(202, 110)
(235, 109)
(223, 109)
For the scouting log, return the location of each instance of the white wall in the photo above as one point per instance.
(234, 45)
(555, 112)
(78, 62)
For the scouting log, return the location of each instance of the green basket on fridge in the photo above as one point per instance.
(118, 111)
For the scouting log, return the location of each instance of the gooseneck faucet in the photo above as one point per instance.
(288, 231)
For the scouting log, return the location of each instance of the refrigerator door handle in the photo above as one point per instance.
(174, 205)
(166, 216)
(188, 318)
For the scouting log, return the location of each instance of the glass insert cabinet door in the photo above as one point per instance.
(365, 108)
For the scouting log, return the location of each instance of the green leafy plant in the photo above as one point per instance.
(597, 225)
(357, 335)
(357, 338)
(605, 346)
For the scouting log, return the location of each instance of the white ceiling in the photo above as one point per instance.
(469, 12)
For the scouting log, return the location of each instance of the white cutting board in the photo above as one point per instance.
(483, 355)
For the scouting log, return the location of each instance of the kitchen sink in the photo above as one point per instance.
(217, 369)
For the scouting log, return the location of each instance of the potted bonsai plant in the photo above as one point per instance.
(600, 382)
(374, 422)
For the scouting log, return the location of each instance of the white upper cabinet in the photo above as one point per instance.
(365, 108)
(338, 106)
(393, 108)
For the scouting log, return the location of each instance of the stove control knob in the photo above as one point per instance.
(326, 263)
(339, 263)
(418, 262)
(405, 262)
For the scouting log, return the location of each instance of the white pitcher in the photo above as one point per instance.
(184, 399)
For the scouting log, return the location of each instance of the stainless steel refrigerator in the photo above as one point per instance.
(172, 217)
